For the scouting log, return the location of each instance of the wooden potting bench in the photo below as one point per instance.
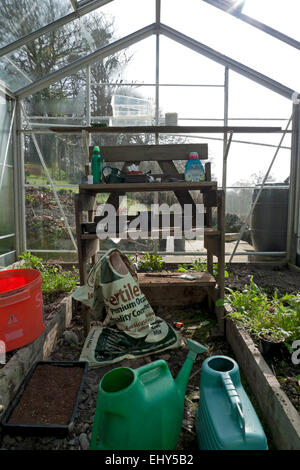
(165, 156)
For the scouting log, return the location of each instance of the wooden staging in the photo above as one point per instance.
(214, 238)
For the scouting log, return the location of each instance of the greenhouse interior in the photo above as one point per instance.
(149, 226)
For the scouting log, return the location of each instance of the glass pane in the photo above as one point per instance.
(45, 226)
(81, 37)
(130, 16)
(17, 19)
(180, 65)
(113, 85)
(138, 65)
(248, 164)
(11, 73)
(235, 39)
(7, 245)
(238, 205)
(61, 104)
(63, 156)
(282, 15)
(192, 102)
(253, 105)
(7, 213)
(126, 106)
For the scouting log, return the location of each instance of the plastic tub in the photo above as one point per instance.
(43, 429)
(21, 307)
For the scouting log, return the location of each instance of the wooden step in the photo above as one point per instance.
(167, 279)
(207, 232)
(145, 187)
(168, 289)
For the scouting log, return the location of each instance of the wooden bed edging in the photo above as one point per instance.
(280, 414)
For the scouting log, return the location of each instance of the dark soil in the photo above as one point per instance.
(51, 303)
(49, 396)
(268, 278)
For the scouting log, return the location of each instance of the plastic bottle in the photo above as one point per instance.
(194, 170)
(97, 162)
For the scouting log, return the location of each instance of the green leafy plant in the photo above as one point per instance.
(199, 266)
(278, 317)
(150, 262)
(276, 335)
(60, 175)
(31, 262)
(55, 279)
(30, 199)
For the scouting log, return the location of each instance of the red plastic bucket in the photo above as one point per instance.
(21, 307)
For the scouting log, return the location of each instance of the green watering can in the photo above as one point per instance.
(142, 409)
(225, 418)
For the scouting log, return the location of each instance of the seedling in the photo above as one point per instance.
(278, 317)
(150, 262)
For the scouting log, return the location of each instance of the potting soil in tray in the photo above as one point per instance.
(49, 396)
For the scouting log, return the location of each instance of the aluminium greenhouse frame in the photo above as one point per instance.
(292, 255)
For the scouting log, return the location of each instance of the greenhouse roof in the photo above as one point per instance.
(249, 45)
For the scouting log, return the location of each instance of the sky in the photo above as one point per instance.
(179, 65)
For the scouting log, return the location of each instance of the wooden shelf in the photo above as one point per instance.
(207, 232)
(167, 129)
(144, 187)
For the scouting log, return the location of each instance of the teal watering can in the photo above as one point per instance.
(142, 409)
(225, 418)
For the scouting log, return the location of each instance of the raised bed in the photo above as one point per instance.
(168, 289)
(280, 414)
(13, 373)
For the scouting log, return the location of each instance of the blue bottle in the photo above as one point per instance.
(194, 170)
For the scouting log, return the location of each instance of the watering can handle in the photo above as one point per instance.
(234, 399)
(147, 369)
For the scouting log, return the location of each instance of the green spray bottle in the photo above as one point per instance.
(97, 163)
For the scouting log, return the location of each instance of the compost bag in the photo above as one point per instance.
(129, 327)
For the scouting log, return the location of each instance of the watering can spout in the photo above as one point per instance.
(183, 376)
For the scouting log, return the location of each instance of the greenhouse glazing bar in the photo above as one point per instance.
(7, 144)
(19, 182)
(53, 26)
(293, 246)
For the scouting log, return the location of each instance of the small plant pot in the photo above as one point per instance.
(270, 348)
